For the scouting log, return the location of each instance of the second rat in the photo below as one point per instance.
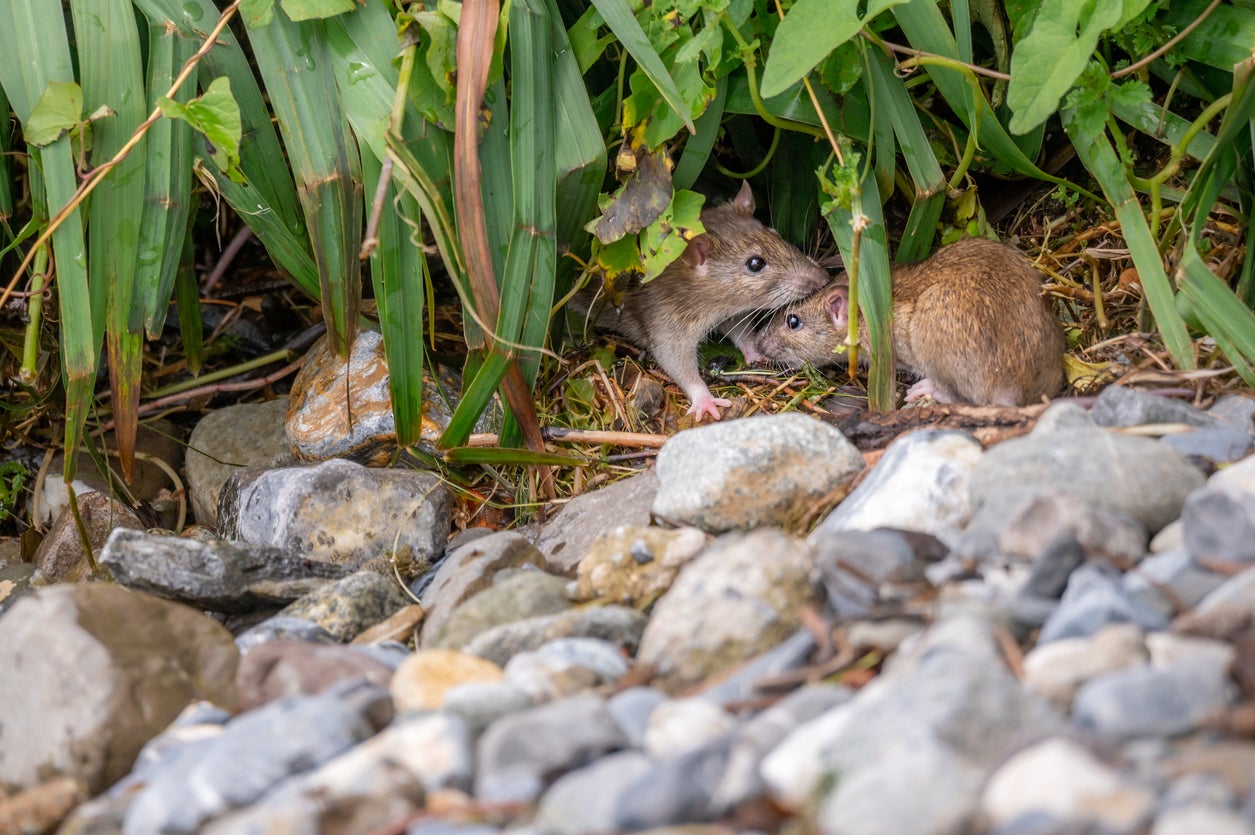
(737, 266)
(969, 321)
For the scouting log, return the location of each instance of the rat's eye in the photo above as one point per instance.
(755, 264)
(793, 321)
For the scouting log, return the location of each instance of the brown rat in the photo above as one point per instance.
(738, 266)
(969, 321)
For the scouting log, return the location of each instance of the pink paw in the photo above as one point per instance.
(927, 388)
(708, 405)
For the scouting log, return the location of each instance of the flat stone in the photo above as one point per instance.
(584, 802)
(748, 473)
(567, 537)
(399, 626)
(295, 668)
(619, 625)
(1095, 598)
(1152, 701)
(520, 595)
(1122, 406)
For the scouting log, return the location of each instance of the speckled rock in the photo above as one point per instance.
(144, 658)
(348, 606)
(633, 565)
(60, 558)
(341, 512)
(744, 474)
(518, 595)
(228, 439)
(743, 594)
(566, 538)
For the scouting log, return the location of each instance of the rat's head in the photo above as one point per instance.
(810, 330)
(747, 261)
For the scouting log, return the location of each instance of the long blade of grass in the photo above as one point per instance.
(6, 169)
(698, 147)
(618, 16)
(34, 51)
(187, 302)
(295, 61)
(168, 182)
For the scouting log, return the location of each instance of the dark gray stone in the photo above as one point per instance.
(1149, 701)
(348, 606)
(619, 625)
(1219, 524)
(1121, 406)
(1095, 598)
(861, 569)
(222, 576)
(1222, 444)
(1050, 571)
(520, 595)
(566, 538)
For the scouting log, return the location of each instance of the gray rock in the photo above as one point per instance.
(631, 708)
(1061, 780)
(93, 672)
(1138, 476)
(1235, 410)
(342, 512)
(1221, 444)
(744, 474)
(752, 679)
(15, 583)
(680, 725)
(283, 629)
(1121, 406)
(678, 789)
(566, 666)
(919, 484)
(1240, 475)
(348, 606)
(566, 538)
(468, 570)
(480, 703)
(1041, 518)
(1172, 582)
(518, 754)
(222, 576)
(229, 439)
(60, 558)
(276, 669)
(585, 802)
(939, 716)
(255, 752)
(1153, 701)
(1049, 573)
(1095, 598)
(619, 625)
(862, 569)
(1219, 524)
(739, 597)
(1058, 668)
(514, 597)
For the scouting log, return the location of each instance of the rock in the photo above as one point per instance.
(518, 754)
(60, 558)
(1121, 406)
(283, 629)
(631, 709)
(585, 802)
(322, 422)
(1197, 818)
(1040, 519)
(634, 565)
(43, 807)
(745, 474)
(480, 703)
(943, 713)
(144, 658)
(228, 439)
(1170, 537)
(565, 666)
(1059, 778)
(740, 596)
(1138, 476)
(375, 784)
(1172, 582)
(1235, 410)
(348, 606)
(678, 789)
(1219, 524)
(208, 778)
(566, 538)
(1238, 476)
(399, 626)
(752, 679)
(1221, 444)
(1058, 668)
(1052, 567)
(680, 725)
(919, 484)
(863, 569)
(424, 678)
(468, 570)
(1095, 598)
(343, 513)
(1152, 701)
(1229, 609)
(221, 576)
(1168, 648)
(15, 583)
(519, 595)
(619, 625)
(294, 668)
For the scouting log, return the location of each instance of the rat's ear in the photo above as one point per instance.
(744, 200)
(839, 306)
(696, 253)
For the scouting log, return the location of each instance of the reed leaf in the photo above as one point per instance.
(618, 16)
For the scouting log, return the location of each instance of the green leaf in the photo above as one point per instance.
(217, 116)
(810, 30)
(493, 455)
(1053, 55)
(312, 9)
(632, 37)
(257, 13)
(59, 111)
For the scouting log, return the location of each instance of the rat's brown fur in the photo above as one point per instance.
(710, 285)
(970, 319)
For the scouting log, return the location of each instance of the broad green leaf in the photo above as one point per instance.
(257, 13)
(217, 116)
(626, 28)
(809, 31)
(313, 9)
(1053, 55)
(59, 111)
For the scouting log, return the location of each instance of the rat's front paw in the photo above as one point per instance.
(927, 388)
(708, 406)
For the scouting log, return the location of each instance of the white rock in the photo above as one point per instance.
(1196, 819)
(1058, 668)
(1168, 648)
(679, 725)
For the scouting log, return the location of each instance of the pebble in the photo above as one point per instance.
(680, 725)
(919, 484)
(566, 666)
(221, 576)
(1219, 525)
(633, 564)
(513, 597)
(1095, 597)
(347, 607)
(566, 538)
(60, 557)
(619, 625)
(586, 801)
(423, 679)
(1058, 668)
(297, 668)
(1123, 406)
(343, 513)
(750, 473)
(1148, 701)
